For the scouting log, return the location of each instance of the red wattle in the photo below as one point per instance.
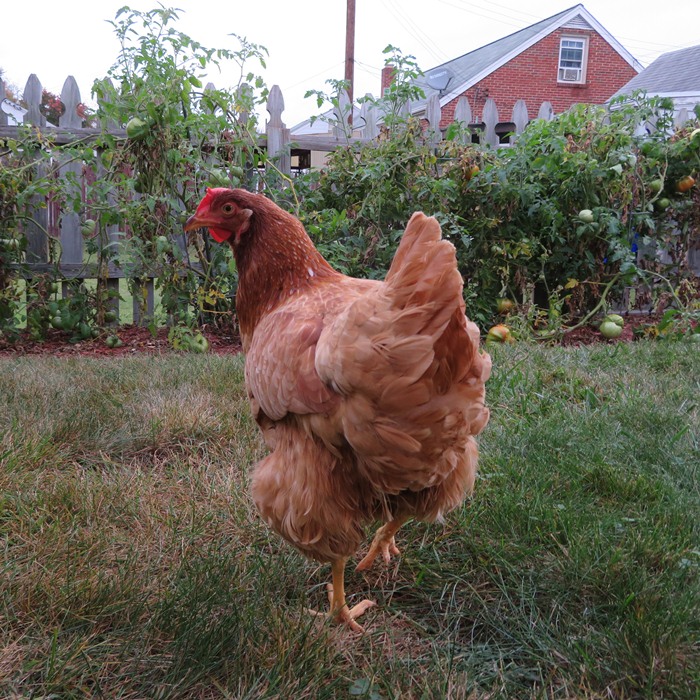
(220, 234)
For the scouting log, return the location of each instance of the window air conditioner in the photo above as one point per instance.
(570, 75)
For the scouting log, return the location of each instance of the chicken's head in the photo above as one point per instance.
(222, 213)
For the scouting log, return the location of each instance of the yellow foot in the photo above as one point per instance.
(380, 544)
(347, 616)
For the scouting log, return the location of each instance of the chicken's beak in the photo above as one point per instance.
(194, 222)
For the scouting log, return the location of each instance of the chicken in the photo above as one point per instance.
(368, 393)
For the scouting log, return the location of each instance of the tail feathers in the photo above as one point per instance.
(423, 280)
(421, 229)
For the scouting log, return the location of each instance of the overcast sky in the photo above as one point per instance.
(306, 38)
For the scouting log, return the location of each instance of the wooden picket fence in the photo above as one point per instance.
(277, 140)
(64, 226)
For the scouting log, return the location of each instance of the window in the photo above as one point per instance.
(572, 59)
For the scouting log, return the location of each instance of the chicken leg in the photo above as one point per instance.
(383, 542)
(336, 595)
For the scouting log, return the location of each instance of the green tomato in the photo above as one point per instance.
(218, 178)
(87, 228)
(586, 215)
(199, 343)
(137, 128)
(110, 316)
(616, 319)
(610, 330)
(69, 321)
(656, 185)
(113, 341)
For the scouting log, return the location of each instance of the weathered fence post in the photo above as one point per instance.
(343, 116)
(546, 112)
(3, 117)
(369, 117)
(70, 171)
(490, 121)
(463, 116)
(520, 118)
(32, 96)
(37, 225)
(405, 110)
(277, 134)
(433, 114)
(681, 118)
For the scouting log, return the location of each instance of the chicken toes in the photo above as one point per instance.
(383, 542)
(342, 614)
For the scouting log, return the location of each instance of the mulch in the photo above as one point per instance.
(138, 340)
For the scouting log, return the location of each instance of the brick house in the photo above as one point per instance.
(566, 59)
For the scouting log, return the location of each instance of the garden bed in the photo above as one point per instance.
(135, 340)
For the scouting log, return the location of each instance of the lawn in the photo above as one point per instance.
(134, 565)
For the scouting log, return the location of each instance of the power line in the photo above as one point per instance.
(503, 7)
(513, 21)
(311, 77)
(415, 33)
(372, 70)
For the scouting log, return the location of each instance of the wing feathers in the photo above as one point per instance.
(406, 361)
(389, 373)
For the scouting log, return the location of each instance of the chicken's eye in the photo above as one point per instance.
(227, 208)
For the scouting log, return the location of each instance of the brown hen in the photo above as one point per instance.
(368, 393)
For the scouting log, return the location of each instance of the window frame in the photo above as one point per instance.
(581, 39)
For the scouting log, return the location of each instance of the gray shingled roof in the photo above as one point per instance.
(674, 72)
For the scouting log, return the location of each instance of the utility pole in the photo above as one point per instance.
(350, 51)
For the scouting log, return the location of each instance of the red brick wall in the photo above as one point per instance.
(532, 76)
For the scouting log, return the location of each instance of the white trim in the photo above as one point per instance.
(577, 10)
(581, 79)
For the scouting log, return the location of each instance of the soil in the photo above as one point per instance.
(138, 340)
(588, 335)
(135, 339)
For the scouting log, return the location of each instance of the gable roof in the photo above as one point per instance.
(474, 66)
(673, 73)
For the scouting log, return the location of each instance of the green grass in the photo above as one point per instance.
(134, 565)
